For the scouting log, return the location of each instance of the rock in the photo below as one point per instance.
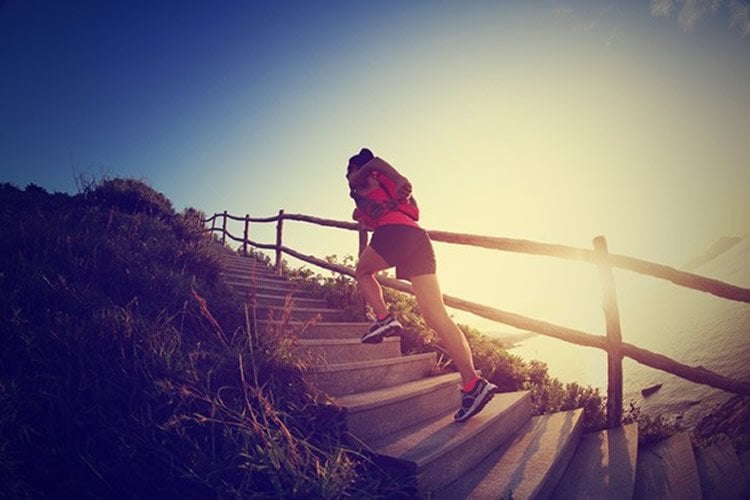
(650, 390)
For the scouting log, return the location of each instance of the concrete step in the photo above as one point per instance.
(269, 288)
(438, 451)
(361, 376)
(253, 282)
(247, 265)
(275, 300)
(720, 471)
(248, 276)
(528, 466)
(241, 259)
(667, 470)
(300, 313)
(374, 414)
(248, 291)
(321, 352)
(326, 330)
(604, 466)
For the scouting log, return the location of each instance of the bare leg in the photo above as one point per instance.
(430, 302)
(370, 263)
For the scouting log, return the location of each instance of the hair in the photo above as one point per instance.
(360, 158)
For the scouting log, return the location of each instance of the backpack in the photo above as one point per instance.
(368, 210)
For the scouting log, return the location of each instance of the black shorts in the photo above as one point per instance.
(406, 247)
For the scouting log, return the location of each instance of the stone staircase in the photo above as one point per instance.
(397, 407)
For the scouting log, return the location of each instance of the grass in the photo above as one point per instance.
(128, 370)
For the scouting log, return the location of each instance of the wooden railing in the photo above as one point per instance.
(612, 343)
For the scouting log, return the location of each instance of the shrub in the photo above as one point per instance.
(129, 196)
(651, 429)
(339, 291)
(507, 371)
(127, 367)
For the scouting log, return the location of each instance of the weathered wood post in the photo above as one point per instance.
(362, 240)
(614, 334)
(224, 229)
(213, 224)
(244, 238)
(279, 229)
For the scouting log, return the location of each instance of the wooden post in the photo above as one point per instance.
(213, 224)
(614, 335)
(244, 238)
(224, 229)
(279, 229)
(362, 240)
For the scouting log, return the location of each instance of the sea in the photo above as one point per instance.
(692, 327)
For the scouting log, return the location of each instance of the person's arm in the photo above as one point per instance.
(403, 186)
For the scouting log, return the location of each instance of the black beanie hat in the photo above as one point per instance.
(362, 157)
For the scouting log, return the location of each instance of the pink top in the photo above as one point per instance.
(390, 215)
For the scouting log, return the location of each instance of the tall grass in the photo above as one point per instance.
(127, 367)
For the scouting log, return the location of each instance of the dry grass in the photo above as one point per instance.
(128, 367)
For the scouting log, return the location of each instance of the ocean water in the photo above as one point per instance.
(688, 326)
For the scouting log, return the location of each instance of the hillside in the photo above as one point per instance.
(129, 368)
(125, 357)
(719, 247)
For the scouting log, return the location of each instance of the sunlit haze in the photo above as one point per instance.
(552, 121)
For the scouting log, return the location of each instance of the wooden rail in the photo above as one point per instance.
(611, 343)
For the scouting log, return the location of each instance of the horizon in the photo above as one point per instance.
(553, 122)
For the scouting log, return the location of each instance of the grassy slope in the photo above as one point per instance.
(125, 357)
(124, 360)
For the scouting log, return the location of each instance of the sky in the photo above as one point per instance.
(553, 121)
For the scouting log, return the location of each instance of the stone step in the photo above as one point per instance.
(321, 352)
(374, 414)
(247, 292)
(721, 473)
(300, 313)
(246, 276)
(246, 262)
(361, 376)
(527, 466)
(326, 330)
(439, 451)
(278, 300)
(222, 250)
(270, 288)
(254, 282)
(667, 470)
(246, 266)
(241, 259)
(604, 466)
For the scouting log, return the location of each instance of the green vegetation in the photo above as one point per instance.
(508, 371)
(127, 368)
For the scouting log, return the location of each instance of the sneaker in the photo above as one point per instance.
(380, 329)
(472, 402)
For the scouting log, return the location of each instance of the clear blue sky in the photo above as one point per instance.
(547, 120)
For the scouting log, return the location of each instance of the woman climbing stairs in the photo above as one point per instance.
(401, 410)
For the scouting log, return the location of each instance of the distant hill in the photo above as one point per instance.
(719, 247)
(727, 260)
